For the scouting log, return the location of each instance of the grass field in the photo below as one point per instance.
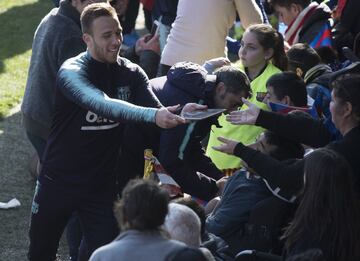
(18, 21)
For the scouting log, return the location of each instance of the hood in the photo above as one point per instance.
(192, 79)
(316, 72)
(321, 13)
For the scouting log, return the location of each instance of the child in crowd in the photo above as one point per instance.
(307, 21)
(261, 56)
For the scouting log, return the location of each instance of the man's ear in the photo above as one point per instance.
(348, 109)
(220, 88)
(87, 39)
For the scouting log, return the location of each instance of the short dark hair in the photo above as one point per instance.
(327, 54)
(288, 3)
(234, 79)
(285, 148)
(347, 88)
(143, 205)
(303, 56)
(289, 84)
(93, 11)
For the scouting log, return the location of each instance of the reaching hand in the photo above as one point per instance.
(213, 64)
(227, 147)
(219, 61)
(246, 117)
(165, 118)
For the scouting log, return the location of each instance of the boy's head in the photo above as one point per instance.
(301, 58)
(286, 88)
(277, 146)
(288, 10)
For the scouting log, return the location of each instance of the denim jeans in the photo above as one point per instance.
(240, 194)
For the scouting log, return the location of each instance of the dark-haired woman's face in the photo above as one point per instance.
(251, 53)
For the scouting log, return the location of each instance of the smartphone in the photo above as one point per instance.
(155, 28)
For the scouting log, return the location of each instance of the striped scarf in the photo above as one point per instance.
(292, 32)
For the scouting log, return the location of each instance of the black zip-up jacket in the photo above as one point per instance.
(93, 100)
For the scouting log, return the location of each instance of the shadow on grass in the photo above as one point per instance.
(15, 181)
(17, 27)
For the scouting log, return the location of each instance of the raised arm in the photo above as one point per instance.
(308, 131)
(74, 84)
(287, 175)
(249, 12)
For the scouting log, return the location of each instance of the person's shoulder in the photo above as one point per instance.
(76, 63)
(130, 67)
(190, 254)
(272, 69)
(106, 252)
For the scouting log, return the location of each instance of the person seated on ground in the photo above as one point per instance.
(141, 237)
(217, 246)
(261, 55)
(180, 151)
(245, 189)
(183, 224)
(329, 212)
(345, 113)
(307, 21)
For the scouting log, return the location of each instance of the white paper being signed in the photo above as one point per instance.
(11, 204)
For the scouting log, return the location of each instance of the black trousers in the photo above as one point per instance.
(52, 207)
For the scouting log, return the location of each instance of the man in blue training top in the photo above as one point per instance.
(96, 93)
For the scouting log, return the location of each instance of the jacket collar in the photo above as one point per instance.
(70, 11)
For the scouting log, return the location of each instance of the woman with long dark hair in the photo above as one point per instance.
(329, 212)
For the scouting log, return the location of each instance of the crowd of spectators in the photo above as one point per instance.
(275, 168)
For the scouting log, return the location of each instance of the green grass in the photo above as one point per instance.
(18, 21)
